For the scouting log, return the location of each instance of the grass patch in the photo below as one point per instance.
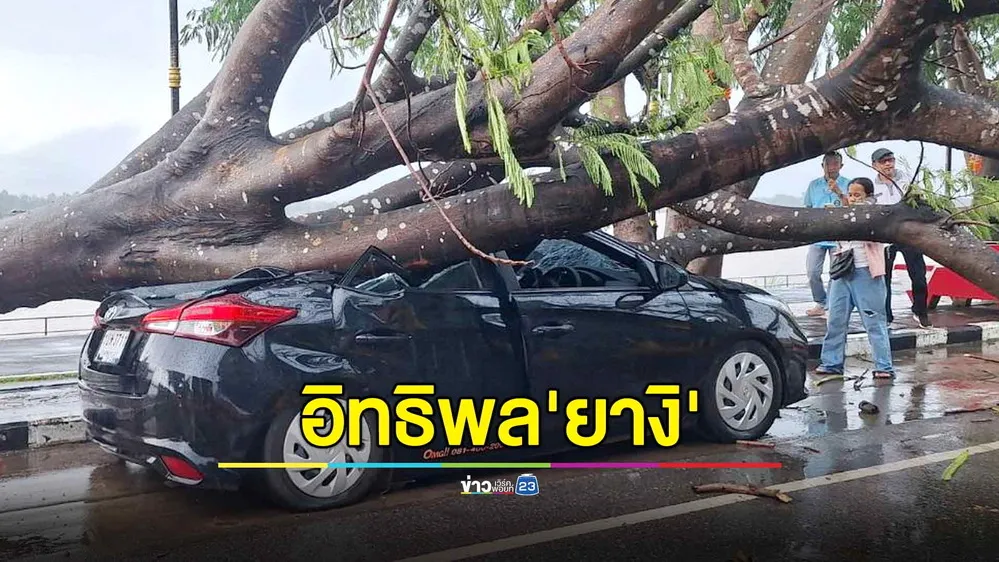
(34, 378)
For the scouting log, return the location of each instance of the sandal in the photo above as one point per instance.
(883, 375)
(821, 371)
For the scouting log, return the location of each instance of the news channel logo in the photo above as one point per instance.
(525, 485)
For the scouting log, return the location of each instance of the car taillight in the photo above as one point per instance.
(228, 320)
(97, 320)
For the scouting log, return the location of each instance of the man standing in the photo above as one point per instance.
(889, 187)
(827, 191)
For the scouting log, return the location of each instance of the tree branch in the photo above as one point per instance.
(823, 8)
(306, 169)
(667, 31)
(538, 21)
(263, 50)
(934, 120)
(164, 141)
(735, 42)
(684, 247)
(369, 69)
(918, 227)
(448, 179)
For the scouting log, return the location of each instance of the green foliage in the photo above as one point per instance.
(850, 23)
(686, 90)
(216, 25)
(962, 194)
(592, 144)
(477, 32)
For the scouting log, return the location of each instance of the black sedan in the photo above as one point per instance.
(180, 378)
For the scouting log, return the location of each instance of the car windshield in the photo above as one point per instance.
(551, 253)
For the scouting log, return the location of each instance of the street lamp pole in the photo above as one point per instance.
(174, 61)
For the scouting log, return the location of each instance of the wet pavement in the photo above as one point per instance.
(863, 486)
(51, 354)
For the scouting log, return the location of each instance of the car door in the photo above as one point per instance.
(453, 332)
(609, 339)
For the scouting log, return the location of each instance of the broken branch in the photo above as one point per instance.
(755, 444)
(972, 355)
(741, 489)
(372, 61)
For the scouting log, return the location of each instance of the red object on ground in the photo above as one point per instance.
(942, 282)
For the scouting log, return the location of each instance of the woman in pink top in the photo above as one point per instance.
(864, 289)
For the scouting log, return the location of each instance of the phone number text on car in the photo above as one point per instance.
(414, 427)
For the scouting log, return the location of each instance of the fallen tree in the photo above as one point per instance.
(205, 196)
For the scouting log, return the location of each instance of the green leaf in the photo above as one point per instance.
(626, 148)
(956, 464)
(760, 8)
(461, 108)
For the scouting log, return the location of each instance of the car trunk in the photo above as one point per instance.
(116, 343)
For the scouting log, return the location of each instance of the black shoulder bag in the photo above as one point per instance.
(841, 265)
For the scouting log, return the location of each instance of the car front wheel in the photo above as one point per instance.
(308, 489)
(743, 394)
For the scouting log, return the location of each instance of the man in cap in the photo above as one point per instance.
(824, 192)
(889, 187)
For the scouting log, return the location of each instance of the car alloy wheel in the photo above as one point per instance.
(308, 489)
(743, 394)
(325, 482)
(744, 391)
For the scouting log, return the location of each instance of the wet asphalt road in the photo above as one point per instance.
(866, 488)
(52, 354)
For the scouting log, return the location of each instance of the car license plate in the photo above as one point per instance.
(112, 346)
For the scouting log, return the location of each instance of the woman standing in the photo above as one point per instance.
(863, 287)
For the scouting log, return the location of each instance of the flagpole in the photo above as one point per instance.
(174, 71)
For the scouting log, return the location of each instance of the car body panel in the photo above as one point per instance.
(469, 330)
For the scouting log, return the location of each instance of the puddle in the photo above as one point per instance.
(928, 384)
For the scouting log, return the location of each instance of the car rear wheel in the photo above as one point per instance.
(743, 394)
(308, 489)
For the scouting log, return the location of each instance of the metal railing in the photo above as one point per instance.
(773, 281)
(46, 329)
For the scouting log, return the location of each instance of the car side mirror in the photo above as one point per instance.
(670, 276)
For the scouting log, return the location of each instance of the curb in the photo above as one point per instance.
(17, 436)
(915, 338)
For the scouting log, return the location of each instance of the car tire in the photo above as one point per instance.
(727, 398)
(290, 487)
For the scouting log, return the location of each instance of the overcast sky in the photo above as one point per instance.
(84, 82)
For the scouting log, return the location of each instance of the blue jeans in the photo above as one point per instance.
(867, 294)
(813, 264)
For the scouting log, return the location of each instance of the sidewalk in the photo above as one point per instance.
(951, 324)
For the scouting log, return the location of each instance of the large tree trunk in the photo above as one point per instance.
(214, 203)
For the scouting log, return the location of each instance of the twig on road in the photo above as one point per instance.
(740, 489)
(971, 410)
(973, 356)
(756, 444)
